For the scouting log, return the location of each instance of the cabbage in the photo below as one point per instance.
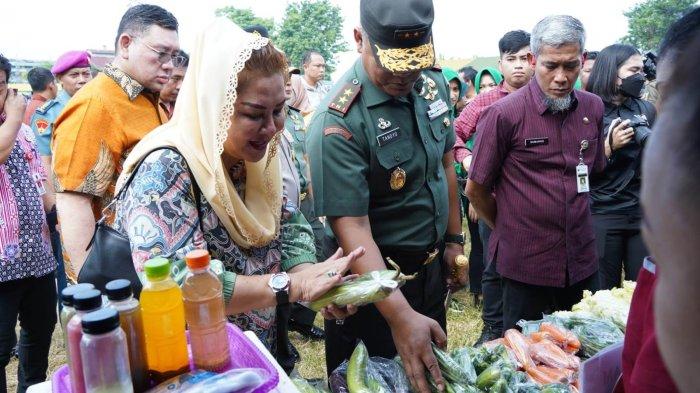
(613, 304)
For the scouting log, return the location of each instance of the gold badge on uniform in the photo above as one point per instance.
(398, 179)
(446, 122)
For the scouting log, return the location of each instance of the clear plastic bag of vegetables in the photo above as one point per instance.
(594, 333)
(306, 386)
(368, 288)
(362, 374)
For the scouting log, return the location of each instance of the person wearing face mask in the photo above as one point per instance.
(618, 80)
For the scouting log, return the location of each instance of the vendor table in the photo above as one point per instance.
(285, 385)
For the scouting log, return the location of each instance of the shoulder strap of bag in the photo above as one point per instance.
(195, 186)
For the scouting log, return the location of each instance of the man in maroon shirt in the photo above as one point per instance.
(535, 150)
(517, 71)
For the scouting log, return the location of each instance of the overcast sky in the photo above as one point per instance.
(43, 29)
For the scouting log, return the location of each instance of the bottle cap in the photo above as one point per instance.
(197, 259)
(101, 321)
(118, 289)
(68, 292)
(88, 299)
(156, 268)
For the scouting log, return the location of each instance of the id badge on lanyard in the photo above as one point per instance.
(582, 184)
(39, 184)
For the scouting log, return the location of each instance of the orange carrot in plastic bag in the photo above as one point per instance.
(518, 343)
(539, 336)
(538, 376)
(549, 354)
(559, 375)
(513, 358)
(545, 375)
(563, 337)
(494, 343)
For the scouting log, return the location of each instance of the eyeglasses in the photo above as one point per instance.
(165, 57)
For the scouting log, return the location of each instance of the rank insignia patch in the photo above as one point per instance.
(343, 100)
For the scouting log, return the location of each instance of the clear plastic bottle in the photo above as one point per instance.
(83, 302)
(204, 313)
(163, 322)
(121, 299)
(104, 354)
(68, 311)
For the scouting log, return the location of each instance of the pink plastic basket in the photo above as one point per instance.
(244, 354)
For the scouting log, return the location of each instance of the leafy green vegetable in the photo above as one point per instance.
(450, 369)
(613, 304)
(463, 357)
(555, 388)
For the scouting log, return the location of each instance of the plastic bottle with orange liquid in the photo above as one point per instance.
(204, 313)
(163, 316)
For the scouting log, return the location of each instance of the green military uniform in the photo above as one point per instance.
(356, 154)
(296, 134)
(381, 156)
(42, 121)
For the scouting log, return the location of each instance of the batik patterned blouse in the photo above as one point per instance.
(159, 214)
(25, 246)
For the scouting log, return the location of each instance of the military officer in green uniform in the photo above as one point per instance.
(380, 150)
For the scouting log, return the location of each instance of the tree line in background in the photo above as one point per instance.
(317, 24)
(307, 24)
(649, 20)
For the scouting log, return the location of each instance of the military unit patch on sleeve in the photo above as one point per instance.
(343, 100)
(338, 130)
(41, 125)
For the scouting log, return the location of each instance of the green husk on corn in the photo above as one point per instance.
(358, 379)
(368, 288)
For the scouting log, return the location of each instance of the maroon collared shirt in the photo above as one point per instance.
(528, 156)
(465, 123)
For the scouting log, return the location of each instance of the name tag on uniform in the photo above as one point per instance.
(436, 109)
(582, 178)
(388, 137)
(532, 142)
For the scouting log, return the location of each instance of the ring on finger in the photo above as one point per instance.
(331, 273)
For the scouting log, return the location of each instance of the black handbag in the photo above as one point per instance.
(109, 256)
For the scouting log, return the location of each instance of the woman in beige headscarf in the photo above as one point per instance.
(221, 189)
